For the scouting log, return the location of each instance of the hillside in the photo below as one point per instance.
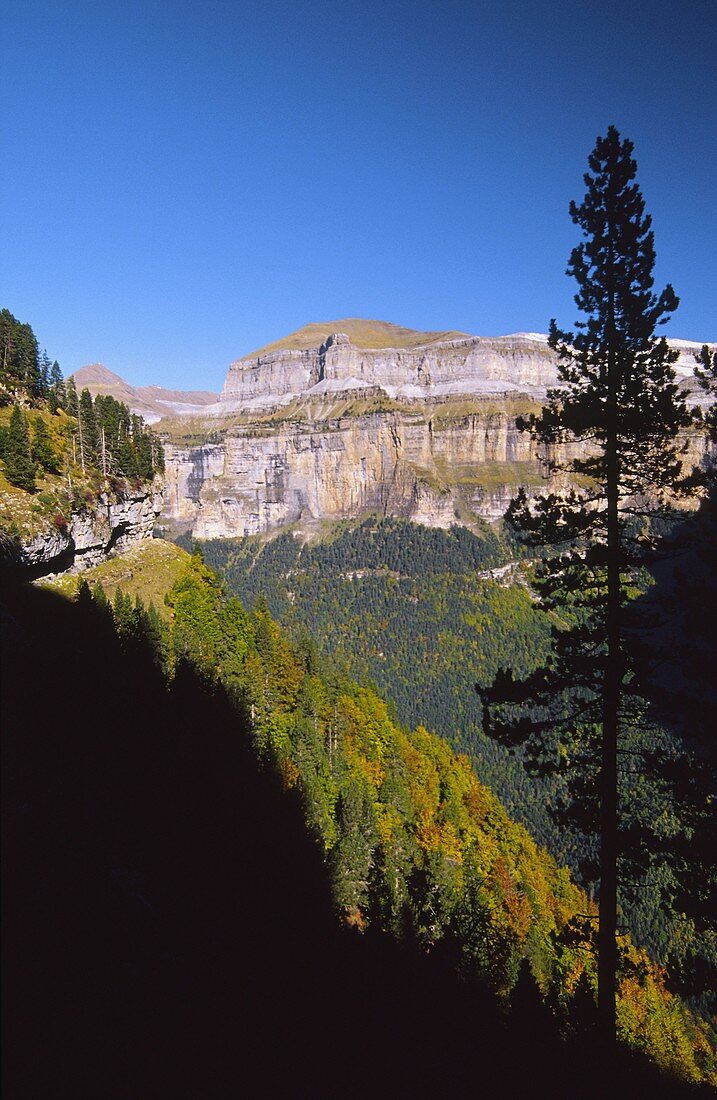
(79, 478)
(425, 615)
(411, 842)
(362, 332)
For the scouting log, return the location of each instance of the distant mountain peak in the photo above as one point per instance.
(150, 402)
(97, 373)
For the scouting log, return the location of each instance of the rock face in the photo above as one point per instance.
(92, 535)
(425, 430)
(472, 365)
(433, 470)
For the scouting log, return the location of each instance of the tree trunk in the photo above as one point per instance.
(607, 929)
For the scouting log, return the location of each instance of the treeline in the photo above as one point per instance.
(114, 440)
(52, 430)
(413, 842)
(24, 372)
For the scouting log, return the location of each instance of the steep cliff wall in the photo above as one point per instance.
(110, 526)
(318, 427)
(470, 365)
(434, 469)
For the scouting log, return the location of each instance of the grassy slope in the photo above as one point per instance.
(363, 333)
(148, 571)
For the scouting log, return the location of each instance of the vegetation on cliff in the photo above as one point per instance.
(59, 451)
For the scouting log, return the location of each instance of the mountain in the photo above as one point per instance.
(347, 417)
(150, 402)
(362, 332)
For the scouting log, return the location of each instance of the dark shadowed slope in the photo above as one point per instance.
(168, 925)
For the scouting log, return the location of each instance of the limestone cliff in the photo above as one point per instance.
(328, 425)
(435, 464)
(110, 525)
(465, 365)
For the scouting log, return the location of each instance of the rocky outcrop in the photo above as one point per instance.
(115, 523)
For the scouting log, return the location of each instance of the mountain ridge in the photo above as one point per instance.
(151, 402)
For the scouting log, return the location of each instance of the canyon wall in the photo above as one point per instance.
(332, 431)
(433, 470)
(472, 365)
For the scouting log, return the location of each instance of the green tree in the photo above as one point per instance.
(42, 385)
(71, 400)
(88, 431)
(42, 450)
(20, 371)
(19, 466)
(617, 415)
(56, 396)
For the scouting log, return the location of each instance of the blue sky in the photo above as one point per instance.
(185, 181)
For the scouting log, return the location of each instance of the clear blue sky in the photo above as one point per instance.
(185, 181)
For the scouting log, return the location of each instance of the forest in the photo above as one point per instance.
(423, 638)
(412, 847)
(51, 438)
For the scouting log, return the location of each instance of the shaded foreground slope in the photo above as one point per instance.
(169, 928)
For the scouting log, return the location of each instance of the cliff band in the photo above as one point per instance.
(332, 430)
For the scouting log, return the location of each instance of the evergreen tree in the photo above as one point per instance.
(618, 399)
(19, 466)
(19, 362)
(56, 395)
(71, 401)
(88, 431)
(42, 450)
(42, 386)
(706, 374)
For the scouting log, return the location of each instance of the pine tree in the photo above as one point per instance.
(19, 466)
(42, 385)
(20, 371)
(88, 431)
(56, 395)
(42, 450)
(616, 415)
(71, 401)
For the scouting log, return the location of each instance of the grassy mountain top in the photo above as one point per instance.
(362, 332)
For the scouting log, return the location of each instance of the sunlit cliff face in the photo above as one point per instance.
(427, 432)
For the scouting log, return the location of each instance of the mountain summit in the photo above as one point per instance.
(362, 333)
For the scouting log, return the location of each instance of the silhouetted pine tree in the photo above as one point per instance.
(619, 400)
